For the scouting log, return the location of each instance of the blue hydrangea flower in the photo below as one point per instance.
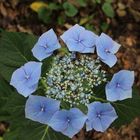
(78, 39)
(25, 79)
(41, 109)
(68, 122)
(120, 87)
(106, 48)
(100, 116)
(46, 44)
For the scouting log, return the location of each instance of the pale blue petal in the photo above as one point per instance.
(40, 52)
(112, 94)
(70, 131)
(74, 46)
(106, 121)
(104, 42)
(80, 40)
(88, 38)
(72, 33)
(106, 112)
(25, 79)
(97, 125)
(120, 87)
(46, 44)
(88, 50)
(48, 38)
(59, 121)
(115, 48)
(26, 91)
(126, 94)
(125, 78)
(41, 109)
(33, 70)
(106, 48)
(78, 118)
(17, 76)
(110, 60)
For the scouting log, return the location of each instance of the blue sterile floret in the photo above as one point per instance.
(106, 48)
(100, 116)
(25, 79)
(41, 109)
(120, 87)
(68, 122)
(46, 45)
(78, 39)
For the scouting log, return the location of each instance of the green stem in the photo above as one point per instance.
(44, 84)
(45, 132)
(99, 99)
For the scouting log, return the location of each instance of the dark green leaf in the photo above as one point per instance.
(54, 6)
(127, 109)
(70, 9)
(108, 9)
(98, 1)
(15, 50)
(82, 3)
(45, 15)
(104, 26)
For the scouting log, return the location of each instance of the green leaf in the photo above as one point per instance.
(70, 10)
(127, 109)
(108, 9)
(104, 26)
(15, 50)
(45, 15)
(98, 1)
(82, 3)
(12, 107)
(109, 1)
(54, 6)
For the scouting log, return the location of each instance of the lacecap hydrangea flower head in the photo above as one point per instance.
(73, 82)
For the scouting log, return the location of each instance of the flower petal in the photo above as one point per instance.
(45, 45)
(41, 109)
(100, 116)
(25, 79)
(110, 60)
(79, 40)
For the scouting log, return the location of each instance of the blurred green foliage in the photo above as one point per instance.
(75, 11)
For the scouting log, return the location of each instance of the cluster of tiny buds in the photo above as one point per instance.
(73, 81)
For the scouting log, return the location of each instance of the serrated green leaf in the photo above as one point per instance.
(20, 127)
(127, 109)
(70, 10)
(108, 9)
(15, 50)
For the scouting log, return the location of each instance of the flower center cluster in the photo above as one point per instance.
(73, 81)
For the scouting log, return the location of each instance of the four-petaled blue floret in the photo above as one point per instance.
(106, 48)
(78, 39)
(46, 45)
(120, 87)
(25, 79)
(68, 122)
(41, 109)
(100, 116)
